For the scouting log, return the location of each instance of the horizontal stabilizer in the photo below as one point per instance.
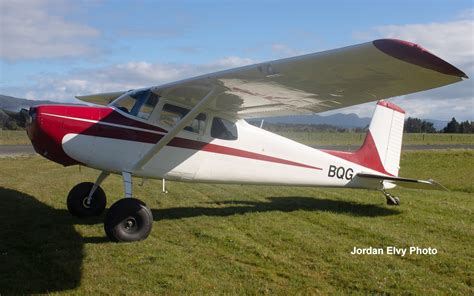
(403, 182)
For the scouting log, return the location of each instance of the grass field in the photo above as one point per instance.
(231, 239)
(308, 138)
(13, 137)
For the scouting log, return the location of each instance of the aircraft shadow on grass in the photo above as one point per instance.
(281, 204)
(41, 252)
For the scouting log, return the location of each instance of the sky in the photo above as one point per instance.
(56, 49)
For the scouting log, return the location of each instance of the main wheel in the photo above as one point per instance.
(128, 220)
(79, 205)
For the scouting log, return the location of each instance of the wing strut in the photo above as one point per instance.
(175, 130)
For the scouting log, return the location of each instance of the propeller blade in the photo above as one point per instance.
(21, 115)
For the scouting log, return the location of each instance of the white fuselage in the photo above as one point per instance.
(256, 157)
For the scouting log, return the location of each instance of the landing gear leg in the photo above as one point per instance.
(391, 199)
(163, 189)
(129, 219)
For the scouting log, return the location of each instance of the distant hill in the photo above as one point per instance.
(7, 101)
(15, 104)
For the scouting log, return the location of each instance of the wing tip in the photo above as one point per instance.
(417, 55)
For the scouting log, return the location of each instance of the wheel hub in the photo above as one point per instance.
(87, 203)
(130, 224)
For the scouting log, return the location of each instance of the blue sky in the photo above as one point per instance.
(53, 49)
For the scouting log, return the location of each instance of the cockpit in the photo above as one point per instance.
(142, 102)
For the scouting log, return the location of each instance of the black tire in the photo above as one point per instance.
(77, 204)
(128, 220)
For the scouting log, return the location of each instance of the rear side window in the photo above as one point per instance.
(170, 115)
(223, 129)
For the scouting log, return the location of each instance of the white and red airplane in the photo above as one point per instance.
(194, 130)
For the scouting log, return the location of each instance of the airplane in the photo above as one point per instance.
(195, 130)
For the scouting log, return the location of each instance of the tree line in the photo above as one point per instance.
(8, 123)
(416, 125)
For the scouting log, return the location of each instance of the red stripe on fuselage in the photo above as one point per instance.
(76, 125)
(213, 148)
(366, 156)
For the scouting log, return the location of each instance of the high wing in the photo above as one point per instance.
(318, 82)
(101, 98)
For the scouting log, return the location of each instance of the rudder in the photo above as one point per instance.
(386, 129)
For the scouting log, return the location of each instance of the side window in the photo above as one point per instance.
(223, 129)
(197, 125)
(170, 115)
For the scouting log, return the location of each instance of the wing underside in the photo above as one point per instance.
(319, 82)
(101, 98)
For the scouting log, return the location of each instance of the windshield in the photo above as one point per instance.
(138, 103)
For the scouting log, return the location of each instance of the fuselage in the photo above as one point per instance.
(108, 139)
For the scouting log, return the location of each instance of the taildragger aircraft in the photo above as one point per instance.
(194, 130)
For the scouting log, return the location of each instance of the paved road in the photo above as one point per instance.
(6, 150)
(16, 150)
(404, 147)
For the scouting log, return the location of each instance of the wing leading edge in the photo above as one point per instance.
(319, 82)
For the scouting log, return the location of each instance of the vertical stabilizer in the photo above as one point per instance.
(383, 143)
(386, 129)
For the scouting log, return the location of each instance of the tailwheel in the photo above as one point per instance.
(128, 220)
(80, 205)
(391, 199)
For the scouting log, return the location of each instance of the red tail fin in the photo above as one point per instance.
(366, 156)
(382, 145)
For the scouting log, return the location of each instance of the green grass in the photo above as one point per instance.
(437, 139)
(231, 239)
(19, 137)
(308, 138)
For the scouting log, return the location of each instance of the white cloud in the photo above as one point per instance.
(63, 88)
(462, 109)
(283, 50)
(230, 62)
(30, 30)
(452, 41)
(466, 14)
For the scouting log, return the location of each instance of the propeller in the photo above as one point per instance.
(22, 115)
